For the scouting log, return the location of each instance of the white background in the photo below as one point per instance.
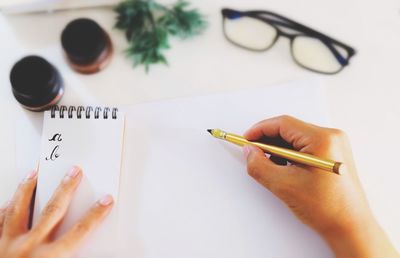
(363, 98)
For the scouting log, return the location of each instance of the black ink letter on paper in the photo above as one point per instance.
(56, 137)
(54, 154)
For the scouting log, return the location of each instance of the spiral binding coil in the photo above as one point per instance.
(83, 112)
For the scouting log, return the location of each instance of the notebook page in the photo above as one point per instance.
(96, 146)
(187, 194)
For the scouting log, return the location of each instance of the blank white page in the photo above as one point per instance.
(96, 146)
(186, 194)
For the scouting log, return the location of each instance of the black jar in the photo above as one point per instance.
(87, 47)
(36, 84)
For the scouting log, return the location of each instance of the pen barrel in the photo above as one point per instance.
(291, 155)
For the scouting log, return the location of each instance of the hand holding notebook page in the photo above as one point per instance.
(91, 139)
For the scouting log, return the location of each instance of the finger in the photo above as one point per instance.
(264, 170)
(79, 232)
(2, 217)
(292, 130)
(56, 208)
(17, 214)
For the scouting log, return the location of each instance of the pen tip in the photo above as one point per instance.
(209, 130)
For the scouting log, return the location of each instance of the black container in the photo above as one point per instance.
(36, 84)
(86, 45)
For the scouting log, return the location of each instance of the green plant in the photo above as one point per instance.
(148, 25)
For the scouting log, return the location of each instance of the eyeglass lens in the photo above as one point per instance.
(309, 52)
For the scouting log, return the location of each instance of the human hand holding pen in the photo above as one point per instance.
(17, 241)
(333, 205)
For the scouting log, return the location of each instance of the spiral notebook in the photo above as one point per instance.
(90, 137)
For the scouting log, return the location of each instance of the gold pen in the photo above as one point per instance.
(291, 155)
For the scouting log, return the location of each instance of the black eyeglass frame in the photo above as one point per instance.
(279, 20)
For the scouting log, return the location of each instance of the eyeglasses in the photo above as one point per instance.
(259, 30)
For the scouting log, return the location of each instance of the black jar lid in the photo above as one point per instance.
(35, 82)
(83, 41)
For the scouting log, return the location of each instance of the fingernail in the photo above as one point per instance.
(246, 151)
(31, 175)
(73, 172)
(106, 200)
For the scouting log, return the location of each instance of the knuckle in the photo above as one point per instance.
(21, 189)
(52, 209)
(330, 136)
(13, 210)
(25, 186)
(285, 118)
(337, 133)
(81, 228)
(253, 168)
(253, 172)
(25, 247)
(56, 249)
(66, 187)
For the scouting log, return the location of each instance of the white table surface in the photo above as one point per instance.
(363, 98)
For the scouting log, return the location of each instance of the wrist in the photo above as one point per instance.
(361, 238)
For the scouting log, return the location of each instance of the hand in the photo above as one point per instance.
(16, 240)
(334, 205)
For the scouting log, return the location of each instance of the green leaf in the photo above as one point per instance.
(148, 26)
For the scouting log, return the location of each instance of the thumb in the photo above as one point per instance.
(262, 169)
